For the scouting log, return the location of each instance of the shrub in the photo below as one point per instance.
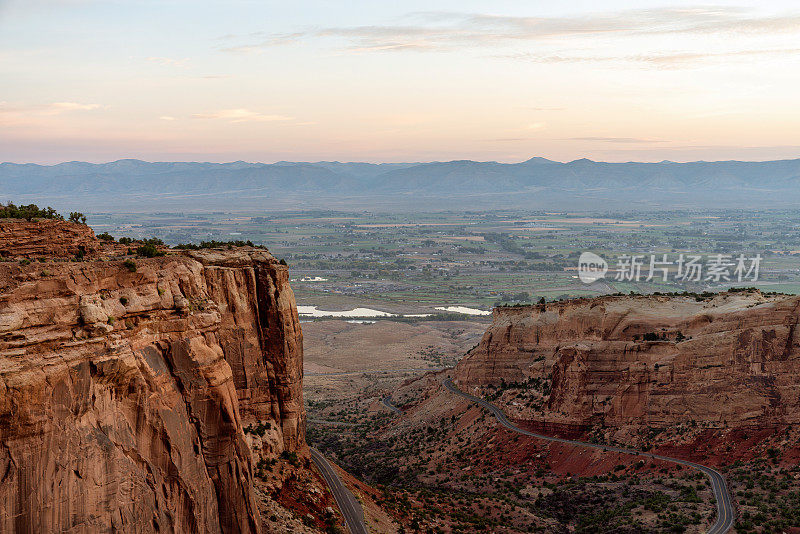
(125, 240)
(259, 430)
(105, 236)
(30, 211)
(77, 217)
(216, 244)
(130, 265)
(149, 250)
(291, 457)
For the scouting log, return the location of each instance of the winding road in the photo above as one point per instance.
(725, 513)
(387, 401)
(348, 504)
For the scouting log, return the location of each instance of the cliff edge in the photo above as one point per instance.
(125, 386)
(728, 361)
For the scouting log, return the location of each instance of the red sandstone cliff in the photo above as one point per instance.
(732, 361)
(45, 238)
(123, 394)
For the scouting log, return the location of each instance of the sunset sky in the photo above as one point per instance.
(261, 80)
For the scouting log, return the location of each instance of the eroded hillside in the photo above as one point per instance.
(729, 361)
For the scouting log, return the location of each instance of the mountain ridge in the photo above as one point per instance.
(531, 183)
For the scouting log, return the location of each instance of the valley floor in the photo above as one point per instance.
(443, 465)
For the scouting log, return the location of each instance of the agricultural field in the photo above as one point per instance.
(414, 263)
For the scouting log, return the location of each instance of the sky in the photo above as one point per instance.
(262, 80)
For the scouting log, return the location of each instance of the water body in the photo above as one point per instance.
(360, 313)
(464, 310)
(312, 311)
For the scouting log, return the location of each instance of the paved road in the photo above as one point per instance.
(725, 514)
(348, 504)
(387, 401)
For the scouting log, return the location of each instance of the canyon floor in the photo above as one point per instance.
(357, 361)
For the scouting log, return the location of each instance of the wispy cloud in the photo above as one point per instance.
(56, 108)
(624, 140)
(269, 41)
(443, 31)
(29, 114)
(678, 59)
(446, 31)
(242, 115)
(535, 126)
(168, 61)
(537, 108)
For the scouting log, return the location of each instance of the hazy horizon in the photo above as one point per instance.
(400, 162)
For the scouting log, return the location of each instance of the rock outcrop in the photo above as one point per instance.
(123, 394)
(46, 238)
(729, 361)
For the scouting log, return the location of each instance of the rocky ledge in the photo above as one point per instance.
(46, 238)
(732, 360)
(125, 386)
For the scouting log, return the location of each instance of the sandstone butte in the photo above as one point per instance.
(731, 361)
(123, 394)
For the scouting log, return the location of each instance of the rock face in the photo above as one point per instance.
(733, 360)
(123, 394)
(46, 238)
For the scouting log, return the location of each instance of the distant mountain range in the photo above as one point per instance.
(133, 185)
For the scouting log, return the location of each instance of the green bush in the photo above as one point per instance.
(259, 430)
(149, 250)
(291, 457)
(77, 217)
(30, 211)
(216, 244)
(130, 265)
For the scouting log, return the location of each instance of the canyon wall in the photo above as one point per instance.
(733, 360)
(124, 390)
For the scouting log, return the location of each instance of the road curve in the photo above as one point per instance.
(387, 401)
(348, 504)
(725, 514)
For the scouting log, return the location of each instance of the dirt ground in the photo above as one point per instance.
(346, 360)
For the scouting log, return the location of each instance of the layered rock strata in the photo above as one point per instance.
(732, 360)
(46, 238)
(123, 394)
